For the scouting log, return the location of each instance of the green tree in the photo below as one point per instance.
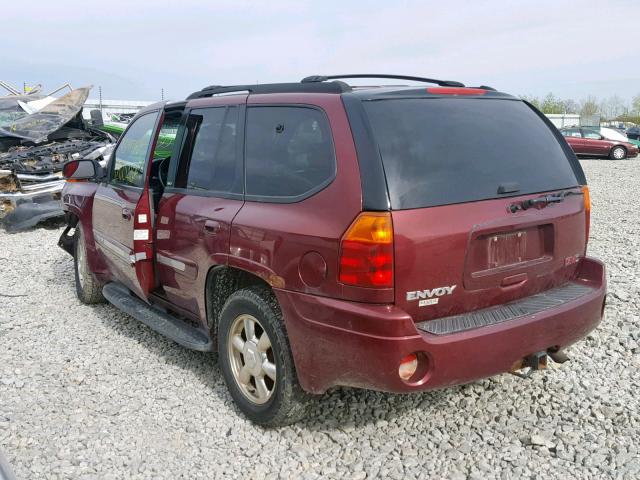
(551, 104)
(570, 106)
(589, 106)
(535, 101)
(635, 104)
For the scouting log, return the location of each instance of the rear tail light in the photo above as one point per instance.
(366, 253)
(587, 210)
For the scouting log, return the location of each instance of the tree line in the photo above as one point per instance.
(610, 108)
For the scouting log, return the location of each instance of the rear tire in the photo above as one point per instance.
(255, 359)
(88, 289)
(618, 153)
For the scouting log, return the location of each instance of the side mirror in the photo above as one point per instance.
(82, 170)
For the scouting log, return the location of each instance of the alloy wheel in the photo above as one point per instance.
(81, 259)
(251, 359)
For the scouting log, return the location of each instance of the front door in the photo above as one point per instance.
(594, 143)
(122, 208)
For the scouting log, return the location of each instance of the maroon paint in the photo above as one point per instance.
(273, 249)
(345, 335)
(592, 146)
(336, 342)
(451, 245)
(192, 231)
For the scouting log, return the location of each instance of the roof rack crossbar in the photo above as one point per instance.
(324, 78)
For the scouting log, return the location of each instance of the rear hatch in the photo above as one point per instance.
(456, 168)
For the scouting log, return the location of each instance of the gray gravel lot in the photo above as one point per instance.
(90, 393)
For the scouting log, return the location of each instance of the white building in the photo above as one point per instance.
(112, 106)
(564, 119)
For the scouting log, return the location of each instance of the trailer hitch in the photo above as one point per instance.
(537, 361)
(530, 364)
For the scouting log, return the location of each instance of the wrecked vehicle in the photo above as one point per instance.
(38, 135)
(316, 235)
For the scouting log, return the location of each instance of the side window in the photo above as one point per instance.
(571, 132)
(591, 134)
(288, 152)
(213, 164)
(132, 152)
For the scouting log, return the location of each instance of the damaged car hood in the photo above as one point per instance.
(38, 126)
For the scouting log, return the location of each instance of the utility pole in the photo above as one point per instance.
(100, 97)
(162, 94)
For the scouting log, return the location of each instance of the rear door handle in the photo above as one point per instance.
(126, 214)
(211, 227)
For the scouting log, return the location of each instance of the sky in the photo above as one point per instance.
(134, 49)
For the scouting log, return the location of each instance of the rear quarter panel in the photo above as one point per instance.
(277, 241)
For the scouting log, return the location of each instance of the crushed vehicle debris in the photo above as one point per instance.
(38, 135)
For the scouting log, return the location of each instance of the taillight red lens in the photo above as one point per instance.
(587, 210)
(366, 257)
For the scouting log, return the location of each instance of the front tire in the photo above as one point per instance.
(88, 289)
(618, 153)
(255, 359)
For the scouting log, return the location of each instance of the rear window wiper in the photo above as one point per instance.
(543, 200)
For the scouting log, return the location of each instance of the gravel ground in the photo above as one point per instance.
(88, 392)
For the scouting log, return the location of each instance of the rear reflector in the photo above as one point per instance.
(456, 91)
(408, 366)
(366, 256)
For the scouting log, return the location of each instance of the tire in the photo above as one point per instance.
(88, 289)
(618, 153)
(247, 365)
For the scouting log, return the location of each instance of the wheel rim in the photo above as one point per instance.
(618, 153)
(251, 359)
(80, 259)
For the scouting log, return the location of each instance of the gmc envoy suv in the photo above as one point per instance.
(317, 234)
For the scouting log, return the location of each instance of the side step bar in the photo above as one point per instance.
(162, 322)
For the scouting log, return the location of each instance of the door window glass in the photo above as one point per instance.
(571, 132)
(213, 164)
(132, 152)
(591, 134)
(167, 136)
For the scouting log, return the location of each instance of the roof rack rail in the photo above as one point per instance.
(329, 87)
(324, 78)
(217, 89)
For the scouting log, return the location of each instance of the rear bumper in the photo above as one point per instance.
(335, 342)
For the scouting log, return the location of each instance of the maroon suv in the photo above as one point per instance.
(316, 234)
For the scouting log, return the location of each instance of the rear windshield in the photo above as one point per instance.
(438, 151)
